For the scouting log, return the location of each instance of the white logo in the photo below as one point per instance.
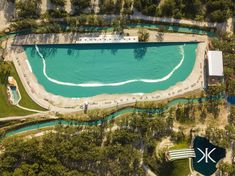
(206, 155)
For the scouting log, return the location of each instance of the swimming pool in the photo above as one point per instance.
(207, 156)
(85, 70)
(15, 94)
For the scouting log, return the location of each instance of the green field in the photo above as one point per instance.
(6, 109)
(178, 167)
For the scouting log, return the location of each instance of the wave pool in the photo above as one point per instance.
(85, 70)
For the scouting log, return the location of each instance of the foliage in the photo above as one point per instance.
(185, 113)
(219, 10)
(63, 154)
(119, 24)
(58, 2)
(217, 136)
(110, 6)
(56, 13)
(24, 24)
(147, 7)
(89, 151)
(227, 169)
(212, 10)
(80, 5)
(28, 8)
(6, 109)
(226, 44)
(143, 35)
(231, 117)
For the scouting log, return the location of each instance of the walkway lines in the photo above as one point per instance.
(181, 154)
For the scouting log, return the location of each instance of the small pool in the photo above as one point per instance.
(15, 94)
(86, 70)
(231, 100)
(207, 156)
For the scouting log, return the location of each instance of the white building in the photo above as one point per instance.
(215, 66)
(109, 39)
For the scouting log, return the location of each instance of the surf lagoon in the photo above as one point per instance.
(85, 70)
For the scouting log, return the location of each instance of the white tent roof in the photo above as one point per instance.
(215, 62)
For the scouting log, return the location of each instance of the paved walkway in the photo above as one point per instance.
(28, 109)
(38, 115)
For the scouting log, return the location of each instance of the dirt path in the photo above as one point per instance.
(7, 10)
(68, 7)
(44, 6)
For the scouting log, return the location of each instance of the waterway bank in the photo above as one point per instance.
(111, 116)
(72, 38)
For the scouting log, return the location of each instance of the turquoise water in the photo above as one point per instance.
(173, 28)
(90, 69)
(15, 94)
(111, 116)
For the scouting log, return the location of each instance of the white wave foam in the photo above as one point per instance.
(111, 84)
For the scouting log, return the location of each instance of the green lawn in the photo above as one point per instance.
(6, 109)
(178, 167)
(26, 101)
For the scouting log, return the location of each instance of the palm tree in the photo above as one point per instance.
(143, 35)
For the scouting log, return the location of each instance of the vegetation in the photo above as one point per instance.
(56, 13)
(227, 169)
(143, 35)
(58, 3)
(110, 6)
(6, 109)
(119, 24)
(28, 9)
(90, 151)
(212, 10)
(226, 44)
(23, 24)
(80, 5)
(178, 167)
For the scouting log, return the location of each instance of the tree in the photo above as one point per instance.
(4, 71)
(57, 3)
(168, 7)
(80, 5)
(119, 24)
(28, 8)
(143, 35)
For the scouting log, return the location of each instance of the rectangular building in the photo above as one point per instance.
(215, 67)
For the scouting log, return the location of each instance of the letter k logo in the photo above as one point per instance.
(206, 155)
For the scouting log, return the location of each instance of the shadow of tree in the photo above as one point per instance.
(114, 51)
(140, 52)
(159, 36)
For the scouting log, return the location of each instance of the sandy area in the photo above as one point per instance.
(6, 13)
(58, 103)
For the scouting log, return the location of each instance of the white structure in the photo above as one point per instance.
(180, 154)
(109, 39)
(215, 63)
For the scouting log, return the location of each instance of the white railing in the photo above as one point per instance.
(108, 39)
(181, 154)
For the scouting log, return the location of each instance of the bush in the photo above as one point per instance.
(58, 2)
(28, 8)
